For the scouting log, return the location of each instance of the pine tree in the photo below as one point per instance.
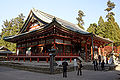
(10, 28)
(80, 20)
(101, 27)
(112, 26)
(110, 7)
(108, 29)
(92, 28)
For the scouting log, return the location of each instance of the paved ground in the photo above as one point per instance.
(118, 67)
(14, 74)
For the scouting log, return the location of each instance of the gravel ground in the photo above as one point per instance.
(7, 73)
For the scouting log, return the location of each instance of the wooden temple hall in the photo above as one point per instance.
(42, 32)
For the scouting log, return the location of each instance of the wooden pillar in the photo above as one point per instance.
(18, 59)
(63, 50)
(54, 44)
(47, 60)
(70, 59)
(103, 51)
(80, 48)
(86, 51)
(92, 45)
(116, 49)
(99, 51)
(13, 59)
(24, 59)
(91, 53)
(30, 59)
(9, 59)
(22, 50)
(45, 48)
(37, 59)
(45, 53)
(71, 51)
(61, 59)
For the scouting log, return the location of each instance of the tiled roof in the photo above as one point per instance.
(48, 19)
(9, 52)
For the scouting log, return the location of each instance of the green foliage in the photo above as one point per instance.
(111, 6)
(101, 27)
(79, 19)
(108, 29)
(10, 28)
(92, 28)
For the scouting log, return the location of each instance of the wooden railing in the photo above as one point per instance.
(47, 54)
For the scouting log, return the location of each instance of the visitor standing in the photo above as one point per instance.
(95, 64)
(102, 64)
(75, 64)
(106, 60)
(79, 67)
(64, 64)
(99, 58)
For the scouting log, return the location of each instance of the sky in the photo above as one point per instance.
(64, 9)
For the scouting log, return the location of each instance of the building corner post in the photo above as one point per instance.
(92, 45)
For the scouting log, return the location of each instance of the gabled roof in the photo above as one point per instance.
(101, 38)
(47, 18)
(4, 50)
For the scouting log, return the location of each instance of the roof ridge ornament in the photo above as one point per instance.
(54, 19)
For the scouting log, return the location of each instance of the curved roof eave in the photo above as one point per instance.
(105, 39)
(48, 19)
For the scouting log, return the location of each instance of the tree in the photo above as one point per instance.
(10, 28)
(110, 7)
(101, 27)
(112, 26)
(92, 28)
(107, 29)
(79, 19)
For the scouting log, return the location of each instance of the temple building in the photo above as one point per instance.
(4, 52)
(42, 32)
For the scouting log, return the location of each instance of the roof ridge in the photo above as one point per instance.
(54, 16)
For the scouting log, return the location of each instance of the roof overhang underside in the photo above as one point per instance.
(16, 37)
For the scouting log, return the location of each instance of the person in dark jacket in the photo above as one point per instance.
(99, 58)
(95, 64)
(102, 64)
(64, 64)
(79, 67)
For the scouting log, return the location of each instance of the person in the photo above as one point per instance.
(102, 64)
(79, 52)
(75, 64)
(79, 67)
(95, 64)
(106, 60)
(99, 58)
(64, 64)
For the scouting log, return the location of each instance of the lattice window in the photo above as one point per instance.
(58, 41)
(49, 41)
(67, 42)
